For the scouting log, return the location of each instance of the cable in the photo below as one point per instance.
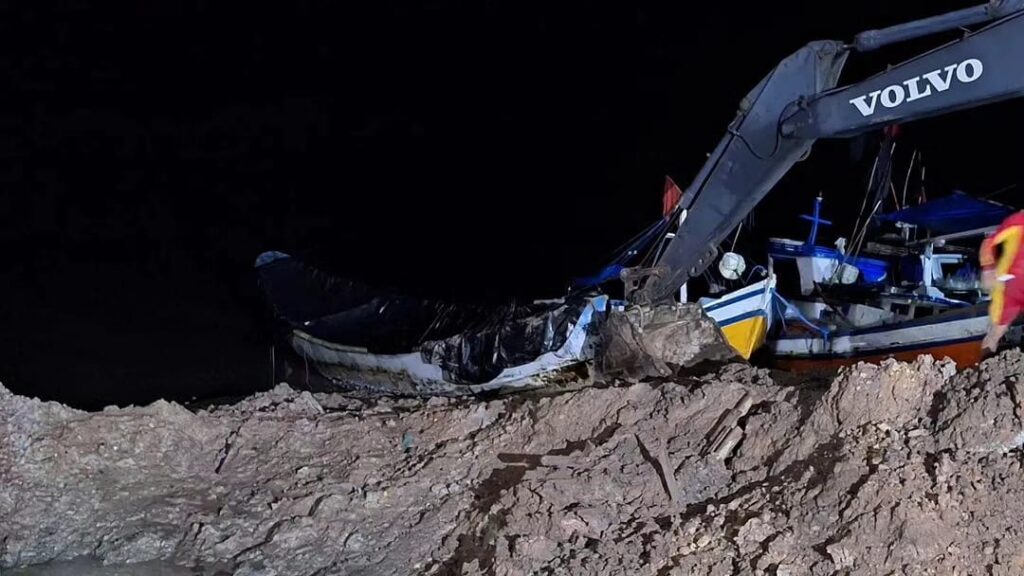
(755, 269)
(1000, 191)
(778, 139)
(735, 131)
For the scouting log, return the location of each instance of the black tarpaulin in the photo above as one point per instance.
(472, 343)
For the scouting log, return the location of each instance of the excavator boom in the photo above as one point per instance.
(981, 68)
(798, 103)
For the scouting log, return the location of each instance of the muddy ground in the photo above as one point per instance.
(891, 469)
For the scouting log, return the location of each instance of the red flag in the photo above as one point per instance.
(670, 197)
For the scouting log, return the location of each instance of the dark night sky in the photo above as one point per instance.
(483, 151)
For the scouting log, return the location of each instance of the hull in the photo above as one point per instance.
(409, 374)
(357, 336)
(744, 316)
(964, 354)
(746, 336)
(955, 335)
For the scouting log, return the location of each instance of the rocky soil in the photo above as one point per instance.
(891, 469)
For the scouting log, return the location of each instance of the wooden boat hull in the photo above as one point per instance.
(955, 335)
(409, 374)
(744, 316)
(747, 335)
(964, 354)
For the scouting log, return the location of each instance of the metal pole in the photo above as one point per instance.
(273, 366)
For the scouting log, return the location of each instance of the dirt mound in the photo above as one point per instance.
(897, 468)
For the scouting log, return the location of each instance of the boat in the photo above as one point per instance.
(745, 315)
(911, 289)
(358, 337)
(918, 296)
(954, 334)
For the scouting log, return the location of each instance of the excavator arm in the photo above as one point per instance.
(798, 102)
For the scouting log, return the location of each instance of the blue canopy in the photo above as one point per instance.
(957, 212)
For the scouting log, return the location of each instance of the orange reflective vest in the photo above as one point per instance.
(1007, 239)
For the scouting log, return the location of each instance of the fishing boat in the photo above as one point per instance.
(910, 289)
(919, 296)
(954, 334)
(356, 336)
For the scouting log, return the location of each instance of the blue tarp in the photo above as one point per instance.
(607, 274)
(957, 212)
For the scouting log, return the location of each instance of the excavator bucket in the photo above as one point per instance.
(639, 342)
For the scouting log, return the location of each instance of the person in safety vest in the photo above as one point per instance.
(1003, 276)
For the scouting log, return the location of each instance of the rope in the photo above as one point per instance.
(799, 316)
(736, 237)
(1000, 191)
(622, 248)
(906, 182)
(864, 203)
